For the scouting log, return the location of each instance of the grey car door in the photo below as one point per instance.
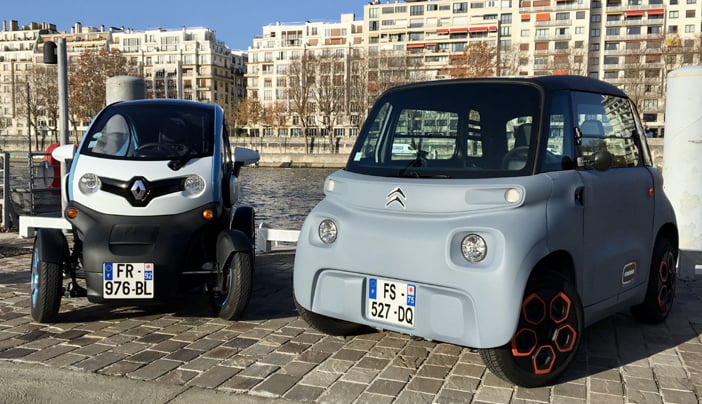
(618, 202)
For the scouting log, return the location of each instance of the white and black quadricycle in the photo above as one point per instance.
(150, 198)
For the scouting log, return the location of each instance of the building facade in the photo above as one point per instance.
(630, 43)
(186, 64)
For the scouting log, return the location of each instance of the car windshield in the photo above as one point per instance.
(451, 129)
(151, 132)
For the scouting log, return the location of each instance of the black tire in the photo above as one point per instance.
(329, 325)
(45, 288)
(235, 284)
(548, 334)
(660, 292)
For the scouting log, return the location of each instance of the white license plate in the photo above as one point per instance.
(127, 280)
(391, 302)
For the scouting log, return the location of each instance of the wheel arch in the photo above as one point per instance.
(51, 246)
(670, 232)
(229, 241)
(559, 261)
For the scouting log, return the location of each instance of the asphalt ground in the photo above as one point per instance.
(180, 353)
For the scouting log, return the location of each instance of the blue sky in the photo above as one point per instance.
(235, 21)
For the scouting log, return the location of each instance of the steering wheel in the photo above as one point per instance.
(516, 159)
(154, 145)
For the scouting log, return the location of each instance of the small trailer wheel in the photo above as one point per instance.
(46, 288)
(234, 282)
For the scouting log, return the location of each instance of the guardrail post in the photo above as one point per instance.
(6, 191)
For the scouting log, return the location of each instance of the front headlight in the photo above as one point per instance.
(327, 231)
(194, 185)
(474, 248)
(89, 183)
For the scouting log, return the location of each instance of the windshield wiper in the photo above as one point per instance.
(419, 161)
(185, 154)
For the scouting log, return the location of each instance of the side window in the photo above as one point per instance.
(112, 139)
(424, 133)
(560, 151)
(606, 122)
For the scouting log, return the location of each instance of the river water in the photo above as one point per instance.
(282, 197)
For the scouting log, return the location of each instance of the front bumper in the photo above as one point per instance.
(173, 243)
(474, 305)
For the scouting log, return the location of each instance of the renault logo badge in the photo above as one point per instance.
(138, 190)
(396, 196)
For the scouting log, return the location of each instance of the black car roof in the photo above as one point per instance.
(548, 83)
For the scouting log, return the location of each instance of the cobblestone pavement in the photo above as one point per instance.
(272, 353)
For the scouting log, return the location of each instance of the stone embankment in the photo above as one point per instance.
(290, 151)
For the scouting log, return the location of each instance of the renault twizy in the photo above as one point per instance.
(150, 197)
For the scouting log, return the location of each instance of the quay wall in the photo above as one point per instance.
(290, 151)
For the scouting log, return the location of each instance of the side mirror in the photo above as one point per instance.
(64, 153)
(602, 160)
(245, 156)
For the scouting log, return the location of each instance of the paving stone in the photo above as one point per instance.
(319, 378)
(373, 398)
(637, 384)
(677, 396)
(413, 397)
(146, 356)
(240, 343)
(643, 397)
(462, 383)
(240, 383)
(425, 385)
(304, 393)
(293, 347)
(154, 369)
(220, 352)
(259, 370)
(95, 363)
(16, 353)
(335, 366)
(184, 355)
(278, 359)
(386, 387)
(214, 377)
(64, 360)
(570, 390)
(606, 399)
(373, 363)
(313, 356)
(178, 376)
(277, 384)
(121, 368)
(494, 395)
(45, 354)
(448, 396)
(436, 372)
(297, 368)
(398, 374)
(541, 394)
(606, 387)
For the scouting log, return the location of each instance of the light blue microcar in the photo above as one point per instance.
(500, 214)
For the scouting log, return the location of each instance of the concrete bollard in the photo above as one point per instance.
(683, 167)
(124, 88)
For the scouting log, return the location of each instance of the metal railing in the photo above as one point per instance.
(44, 185)
(6, 221)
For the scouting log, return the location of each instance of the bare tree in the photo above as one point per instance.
(87, 79)
(301, 81)
(328, 90)
(510, 60)
(248, 113)
(37, 101)
(476, 60)
(357, 102)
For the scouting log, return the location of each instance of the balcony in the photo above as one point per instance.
(554, 23)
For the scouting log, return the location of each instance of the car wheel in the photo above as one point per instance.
(548, 333)
(329, 325)
(660, 292)
(234, 285)
(46, 287)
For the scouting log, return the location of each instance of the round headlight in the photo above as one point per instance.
(194, 184)
(474, 248)
(327, 231)
(89, 183)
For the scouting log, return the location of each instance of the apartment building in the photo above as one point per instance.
(271, 60)
(630, 43)
(17, 57)
(188, 63)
